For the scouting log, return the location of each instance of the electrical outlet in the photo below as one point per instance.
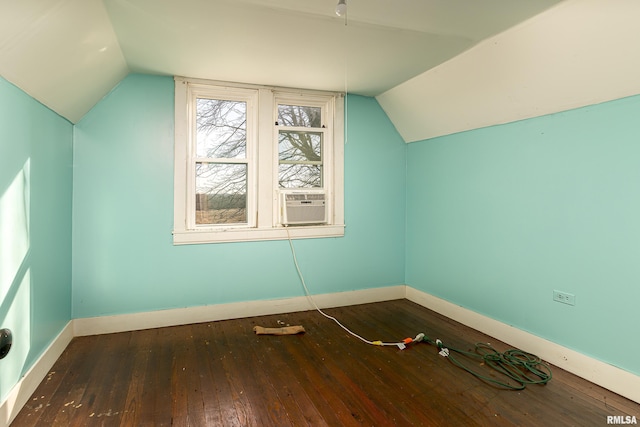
(564, 297)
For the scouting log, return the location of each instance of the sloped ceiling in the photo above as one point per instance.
(63, 53)
(435, 66)
(579, 53)
(68, 54)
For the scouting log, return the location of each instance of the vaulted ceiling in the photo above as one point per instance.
(68, 54)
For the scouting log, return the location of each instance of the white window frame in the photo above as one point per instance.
(263, 206)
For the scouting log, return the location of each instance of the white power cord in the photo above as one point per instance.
(401, 344)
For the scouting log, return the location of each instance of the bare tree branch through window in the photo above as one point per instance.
(300, 147)
(221, 184)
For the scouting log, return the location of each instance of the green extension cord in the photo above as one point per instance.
(522, 367)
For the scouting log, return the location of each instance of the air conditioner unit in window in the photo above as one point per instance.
(302, 207)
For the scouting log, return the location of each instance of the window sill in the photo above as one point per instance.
(226, 235)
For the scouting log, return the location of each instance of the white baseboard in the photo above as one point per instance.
(22, 391)
(610, 377)
(210, 313)
(615, 379)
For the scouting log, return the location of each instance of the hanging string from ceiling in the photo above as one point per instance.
(341, 11)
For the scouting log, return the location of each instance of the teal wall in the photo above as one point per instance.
(493, 219)
(497, 218)
(35, 229)
(123, 257)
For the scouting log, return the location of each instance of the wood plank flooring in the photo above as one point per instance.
(222, 374)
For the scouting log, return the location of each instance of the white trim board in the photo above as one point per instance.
(236, 310)
(610, 377)
(22, 391)
(615, 379)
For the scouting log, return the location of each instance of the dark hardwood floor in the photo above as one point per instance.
(222, 374)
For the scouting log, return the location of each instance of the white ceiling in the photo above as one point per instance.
(578, 53)
(68, 54)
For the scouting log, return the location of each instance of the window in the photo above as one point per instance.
(241, 150)
(223, 146)
(300, 136)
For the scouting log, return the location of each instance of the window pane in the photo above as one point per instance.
(299, 176)
(300, 146)
(297, 115)
(221, 128)
(221, 193)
